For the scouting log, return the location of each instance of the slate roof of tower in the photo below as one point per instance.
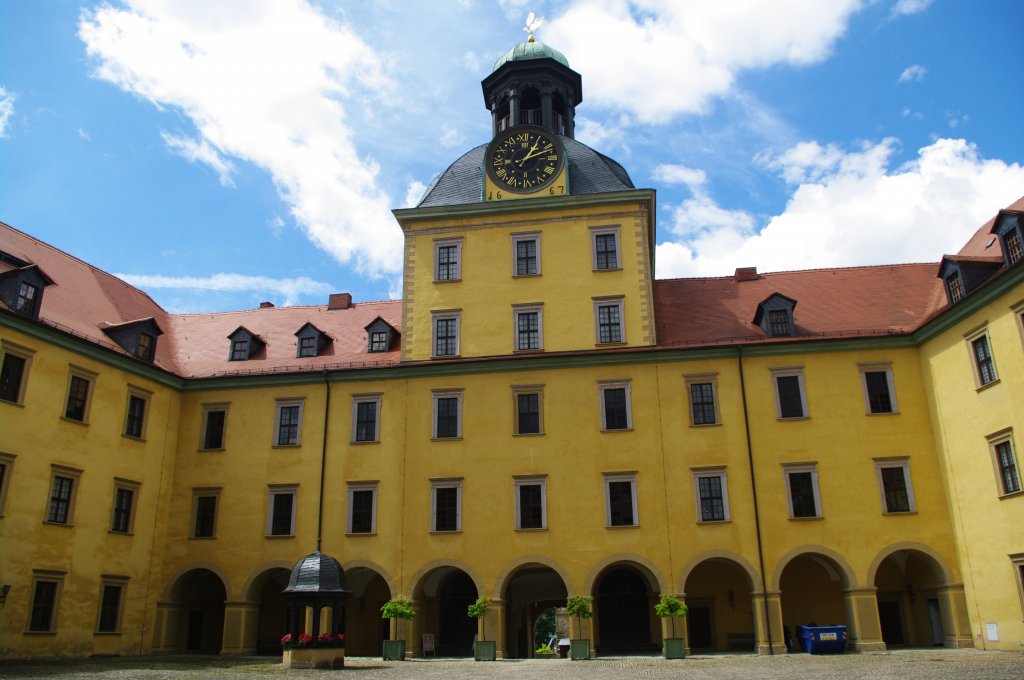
(317, 573)
(590, 172)
(530, 50)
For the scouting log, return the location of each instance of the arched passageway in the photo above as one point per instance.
(528, 592)
(442, 597)
(201, 595)
(365, 630)
(721, 618)
(271, 621)
(812, 588)
(624, 598)
(907, 582)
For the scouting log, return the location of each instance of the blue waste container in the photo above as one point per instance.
(822, 639)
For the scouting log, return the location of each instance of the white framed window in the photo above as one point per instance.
(609, 320)
(879, 389)
(616, 408)
(447, 259)
(605, 248)
(6, 470)
(204, 512)
(528, 325)
(526, 254)
(1018, 314)
(281, 509)
(790, 394)
(122, 516)
(702, 394)
(1004, 462)
(60, 507)
(79, 394)
(14, 364)
(136, 413)
(445, 324)
(711, 489)
(1017, 562)
(447, 417)
(288, 422)
(531, 502)
(897, 493)
(983, 361)
(111, 605)
(213, 432)
(528, 409)
(44, 606)
(362, 508)
(366, 410)
(620, 499)
(802, 498)
(446, 505)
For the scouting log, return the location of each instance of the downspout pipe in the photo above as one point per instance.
(757, 512)
(323, 464)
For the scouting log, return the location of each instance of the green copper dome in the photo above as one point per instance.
(531, 50)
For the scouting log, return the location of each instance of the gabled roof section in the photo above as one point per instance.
(377, 322)
(774, 300)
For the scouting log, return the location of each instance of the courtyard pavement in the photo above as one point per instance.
(900, 664)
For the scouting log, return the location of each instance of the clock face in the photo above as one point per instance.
(524, 159)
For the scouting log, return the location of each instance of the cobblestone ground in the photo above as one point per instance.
(901, 665)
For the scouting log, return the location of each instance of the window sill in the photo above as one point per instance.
(360, 534)
(19, 405)
(539, 350)
(620, 343)
(528, 434)
(107, 633)
(130, 437)
(447, 280)
(622, 526)
(436, 357)
(818, 518)
(1012, 494)
(708, 522)
(606, 269)
(59, 524)
(278, 536)
(901, 513)
(981, 388)
(74, 422)
(120, 533)
(435, 532)
(618, 429)
(703, 425)
(528, 530)
(285, 446)
(365, 442)
(526, 276)
(882, 413)
(446, 439)
(210, 450)
(792, 418)
(40, 633)
(202, 538)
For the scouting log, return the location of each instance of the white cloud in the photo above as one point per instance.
(200, 151)
(6, 109)
(271, 82)
(414, 193)
(661, 58)
(912, 72)
(450, 137)
(852, 208)
(904, 7)
(288, 291)
(699, 215)
(605, 136)
(276, 225)
(668, 173)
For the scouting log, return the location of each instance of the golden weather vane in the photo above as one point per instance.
(533, 22)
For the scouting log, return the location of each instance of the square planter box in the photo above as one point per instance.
(675, 648)
(485, 650)
(579, 649)
(394, 650)
(314, 657)
(545, 655)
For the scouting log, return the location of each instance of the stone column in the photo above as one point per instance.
(241, 620)
(513, 107)
(168, 628)
(768, 613)
(414, 632)
(863, 627)
(547, 119)
(496, 624)
(956, 625)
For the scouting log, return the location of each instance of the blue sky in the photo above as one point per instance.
(217, 154)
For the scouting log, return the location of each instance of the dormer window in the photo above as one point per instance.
(244, 344)
(240, 350)
(138, 337)
(381, 336)
(144, 350)
(1009, 227)
(21, 289)
(775, 316)
(954, 287)
(962, 274)
(27, 294)
(311, 341)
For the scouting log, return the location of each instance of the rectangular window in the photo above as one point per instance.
(204, 512)
(366, 417)
(240, 349)
(802, 486)
(703, 394)
(529, 325)
(879, 390)
(712, 495)
(616, 412)
(446, 505)
(6, 469)
(894, 485)
(63, 483)
(281, 511)
(1014, 252)
(778, 323)
(123, 516)
(46, 587)
(26, 302)
(108, 619)
(954, 287)
(531, 503)
(14, 372)
(308, 346)
(379, 341)
(288, 423)
(362, 508)
(135, 414)
(144, 348)
(528, 401)
(447, 414)
(620, 500)
(526, 254)
(608, 320)
(790, 398)
(1004, 460)
(447, 258)
(605, 245)
(984, 364)
(213, 428)
(76, 406)
(1017, 562)
(446, 333)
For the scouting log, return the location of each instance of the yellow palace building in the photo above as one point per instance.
(537, 418)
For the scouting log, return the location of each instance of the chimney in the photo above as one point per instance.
(265, 305)
(339, 301)
(746, 274)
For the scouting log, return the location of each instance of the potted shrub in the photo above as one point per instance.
(394, 650)
(545, 652)
(671, 607)
(579, 606)
(483, 649)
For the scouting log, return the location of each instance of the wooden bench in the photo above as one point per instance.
(741, 642)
